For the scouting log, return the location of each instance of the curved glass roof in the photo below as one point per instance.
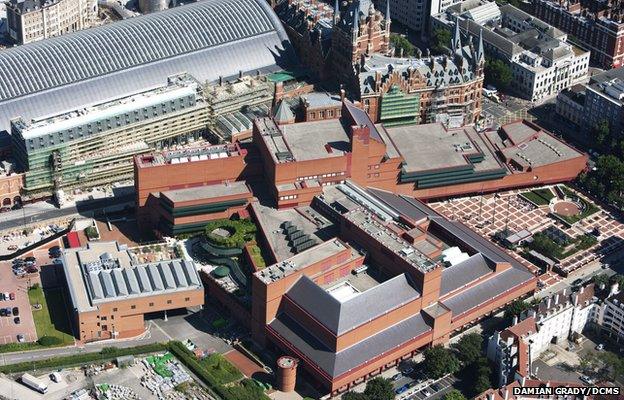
(122, 45)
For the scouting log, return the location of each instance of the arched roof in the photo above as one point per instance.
(207, 39)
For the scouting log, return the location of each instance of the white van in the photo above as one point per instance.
(56, 377)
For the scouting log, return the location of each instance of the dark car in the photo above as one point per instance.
(436, 387)
(16, 311)
(12, 296)
(577, 282)
(30, 259)
(17, 320)
(8, 312)
(32, 270)
(3, 312)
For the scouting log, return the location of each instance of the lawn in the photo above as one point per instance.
(219, 367)
(51, 319)
(540, 197)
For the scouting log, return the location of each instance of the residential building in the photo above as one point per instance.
(604, 101)
(354, 305)
(556, 319)
(11, 184)
(415, 14)
(33, 20)
(597, 26)
(599, 101)
(95, 145)
(533, 389)
(571, 105)
(110, 290)
(210, 40)
(541, 61)
(609, 316)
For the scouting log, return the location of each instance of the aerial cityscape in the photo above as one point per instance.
(311, 199)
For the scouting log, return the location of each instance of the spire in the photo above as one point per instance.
(456, 40)
(356, 21)
(480, 52)
(283, 114)
(387, 11)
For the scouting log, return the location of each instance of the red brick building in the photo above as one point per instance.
(596, 25)
(347, 315)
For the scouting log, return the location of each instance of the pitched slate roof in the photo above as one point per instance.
(336, 364)
(465, 272)
(341, 317)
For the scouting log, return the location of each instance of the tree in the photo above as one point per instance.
(497, 73)
(515, 308)
(441, 39)
(601, 279)
(379, 389)
(601, 132)
(479, 373)
(91, 232)
(619, 279)
(440, 361)
(469, 348)
(454, 395)
(354, 396)
(399, 43)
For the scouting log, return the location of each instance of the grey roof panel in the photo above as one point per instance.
(178, 274)
(465, 272)
(95, 285)
(399, 204)
(166, 275)
(107, 284)
(341, 317)
(132, 283)
(154, 277)
(120, 282)
(470, 298)
(336, 364)
(191, 273)
(143, 279)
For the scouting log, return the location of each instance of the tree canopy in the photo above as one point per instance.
(497, 73)
(441, 38)
(454, 395)
(379, 389)
(607, 180)
(516, 307)
(440, 361)
(399, 43)
(469, 348)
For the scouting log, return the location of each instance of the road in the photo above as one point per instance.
(43, 211)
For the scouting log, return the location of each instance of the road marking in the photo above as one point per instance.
(161, 329)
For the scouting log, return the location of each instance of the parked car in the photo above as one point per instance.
(56, 377)
(16, 311)
(12, 296)
(396, 377)
(18, 261)
(6, 295)
(408, 370)
(9, 312)
(600, 347)
(426, 392)
(20, 337)
(17, 320)
(30, 258)
(401, 389)
(587, 379)
(577, 282)
(3, 312)
(436, 387)
(32, 270)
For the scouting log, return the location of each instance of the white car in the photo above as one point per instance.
(600, 347)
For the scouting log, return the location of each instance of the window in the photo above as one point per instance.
(132, 307)
(187, 299)
(115, 309)
(151, 304)
(168, 301)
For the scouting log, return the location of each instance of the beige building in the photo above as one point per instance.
(32, 20)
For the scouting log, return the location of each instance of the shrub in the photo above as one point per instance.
(91, 232)
(50, 341)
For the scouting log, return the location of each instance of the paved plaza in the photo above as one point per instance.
(492, 213)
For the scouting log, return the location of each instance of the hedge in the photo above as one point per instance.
(241, 231)
(242, 391)
(107, 353)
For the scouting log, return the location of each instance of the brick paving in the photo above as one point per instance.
(491, 213)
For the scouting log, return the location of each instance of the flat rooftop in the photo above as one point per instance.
(530, 146)
(207, 192)
(415, 254)
(189, 154)
(309, 221)
(302, 260)
(431, 147)
(106, 271)
(293, 142)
